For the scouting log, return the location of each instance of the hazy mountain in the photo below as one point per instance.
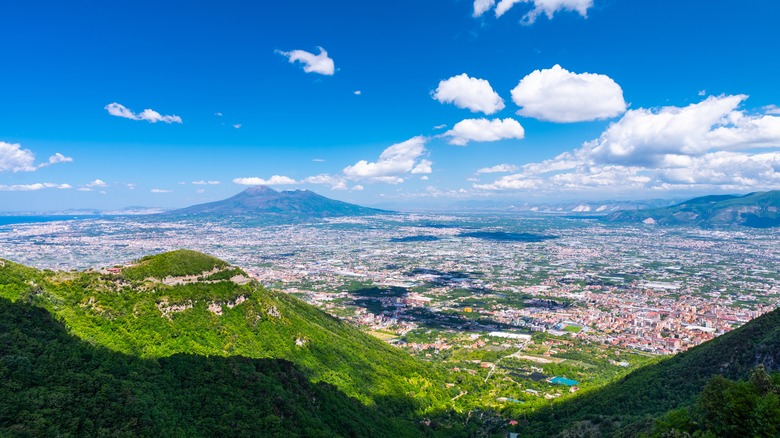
(262, 200)
(759, 210)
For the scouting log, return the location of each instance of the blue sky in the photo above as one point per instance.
(410, 102)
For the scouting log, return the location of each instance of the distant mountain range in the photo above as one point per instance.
(265, 201)
(757, 210)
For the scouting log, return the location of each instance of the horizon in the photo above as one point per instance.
(444, 206)
(109, 106)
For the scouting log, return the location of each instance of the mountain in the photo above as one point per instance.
(631, 405)
(757, 210)
(185, 344)
(265, 201)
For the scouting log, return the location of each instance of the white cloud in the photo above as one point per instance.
(218, 114)
(150, 115)
(203, 183)
(557, 95)
(357, 187)
(424, 166)
(771, 109)
(15, 159)
(482, 130)
(96, 183)
(709, 146)
(357, 92)
(276, 180)
(312, 63)
(56, 159)
(335, 182)
(318, 160)
(33, 187)
(649, 136)
(160, 191)
(547, 7)
(396, 160)
(471, 93)
(442, 126)
(237, 126)
(702, 93)
(482, 6)
(498, 168)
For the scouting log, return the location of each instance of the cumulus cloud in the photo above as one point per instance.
(15, 159)
(558, 95)
(471, 93)
(650, 136)
(706, 146)
(546, 7)
(56, 159)
(395, 161)
(33, 187)
(150, 115)
(424, 166)
(160, 191)
(276, 180)
(498, 168)
(482, 6)
(312, 63)
(483, 130)
(335, 182)
(357, 92)
(203, 183)
(96, 183)
(771, 109)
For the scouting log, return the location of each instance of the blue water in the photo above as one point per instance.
(8, 220)
(563, 381)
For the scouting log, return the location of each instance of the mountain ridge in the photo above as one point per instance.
(755, 210)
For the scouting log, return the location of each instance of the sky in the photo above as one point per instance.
(172, 103)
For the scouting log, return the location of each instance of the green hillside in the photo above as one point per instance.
(633, 404)
(55, 384)
(199, 314)
(758, 210)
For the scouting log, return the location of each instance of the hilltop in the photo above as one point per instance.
(758, 210)
(265, 201)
